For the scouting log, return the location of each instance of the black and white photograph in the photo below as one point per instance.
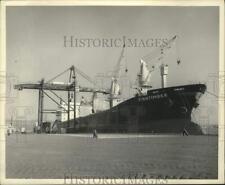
(109, 94)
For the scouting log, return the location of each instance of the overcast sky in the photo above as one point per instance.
(35, 43)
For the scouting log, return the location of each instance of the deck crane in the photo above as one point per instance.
(94, 91)
(115, 88)
(158, 55)
(51, 86)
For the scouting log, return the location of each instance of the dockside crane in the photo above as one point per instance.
(72, 86)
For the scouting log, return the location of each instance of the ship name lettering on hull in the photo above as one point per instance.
(152, 97)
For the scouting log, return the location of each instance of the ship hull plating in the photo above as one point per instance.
(166, 110)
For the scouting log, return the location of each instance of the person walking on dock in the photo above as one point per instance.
(95, 134)
(185, 133)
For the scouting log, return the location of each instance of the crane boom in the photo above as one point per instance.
(159, 51)
(57, 87)
(117, 67)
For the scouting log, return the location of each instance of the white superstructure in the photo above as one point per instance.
(81, 110)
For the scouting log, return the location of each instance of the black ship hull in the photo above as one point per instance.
(165, 110)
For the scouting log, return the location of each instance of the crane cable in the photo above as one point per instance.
(212, 94)
(84, 75)
(177, 50)
(58, 75)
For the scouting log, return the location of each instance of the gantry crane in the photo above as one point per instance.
(51, 86)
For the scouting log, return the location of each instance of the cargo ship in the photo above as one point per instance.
(162, 110)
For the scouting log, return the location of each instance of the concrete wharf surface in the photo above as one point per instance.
(52, 156)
